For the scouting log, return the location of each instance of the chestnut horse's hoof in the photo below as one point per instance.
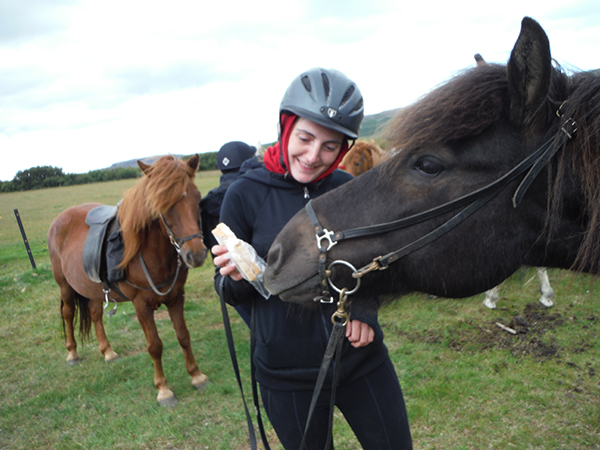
(169, 401)
(200, 382)
(73, 362)
(111, 358)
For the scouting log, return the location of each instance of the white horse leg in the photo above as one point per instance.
(547, 298)
(491, 297)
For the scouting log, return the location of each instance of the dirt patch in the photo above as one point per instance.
(522, 333)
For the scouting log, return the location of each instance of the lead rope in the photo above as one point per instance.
(334, 348)
(234, 363)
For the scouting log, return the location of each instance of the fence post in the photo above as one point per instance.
(24, 238)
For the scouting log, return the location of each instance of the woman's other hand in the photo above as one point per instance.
(223, 260)
(359, 333)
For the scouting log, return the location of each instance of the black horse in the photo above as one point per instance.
(497, 168)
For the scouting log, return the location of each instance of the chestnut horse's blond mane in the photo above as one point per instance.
(163, 185)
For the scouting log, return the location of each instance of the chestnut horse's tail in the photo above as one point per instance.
(81, 304)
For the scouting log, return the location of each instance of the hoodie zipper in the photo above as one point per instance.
(306, 193)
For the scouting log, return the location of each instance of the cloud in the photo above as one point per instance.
(84, 84)
(20, 21)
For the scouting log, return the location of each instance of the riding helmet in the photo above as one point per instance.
(327, 97)
(232, 154)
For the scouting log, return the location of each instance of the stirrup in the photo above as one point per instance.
(107, 298)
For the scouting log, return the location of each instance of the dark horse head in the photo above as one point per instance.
(487, 131)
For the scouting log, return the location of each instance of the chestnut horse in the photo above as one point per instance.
(361, 157)
(165, 195)
(499, 167)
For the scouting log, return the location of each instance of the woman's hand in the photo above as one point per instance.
(222, 260)
(359, 333)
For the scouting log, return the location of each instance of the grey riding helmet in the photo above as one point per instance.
(232, 154)
(327, 97)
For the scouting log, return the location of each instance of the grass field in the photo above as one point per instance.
(467, 383)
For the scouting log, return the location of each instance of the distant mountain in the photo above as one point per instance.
(133, 162)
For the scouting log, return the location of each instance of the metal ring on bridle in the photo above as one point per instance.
(347, 264)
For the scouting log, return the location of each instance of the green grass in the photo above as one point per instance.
(467, 384)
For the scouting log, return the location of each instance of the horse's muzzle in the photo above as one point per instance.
(194, 259)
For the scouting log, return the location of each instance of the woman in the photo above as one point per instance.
(320, 112)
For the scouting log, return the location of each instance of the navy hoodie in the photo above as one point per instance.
(290, 339)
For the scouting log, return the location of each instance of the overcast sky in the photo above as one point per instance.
(87, 83)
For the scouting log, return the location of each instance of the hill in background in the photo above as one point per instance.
(133, 162)
(374, 123)
(370, 129)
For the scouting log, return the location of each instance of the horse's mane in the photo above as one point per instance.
(583, 105)
(163, 185)
(471, 102)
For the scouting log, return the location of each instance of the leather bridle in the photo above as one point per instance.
(176, 243)
(472, 202)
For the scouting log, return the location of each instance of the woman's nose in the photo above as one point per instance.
(313, 153)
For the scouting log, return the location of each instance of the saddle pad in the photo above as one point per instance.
(101, 215)
(99, 219)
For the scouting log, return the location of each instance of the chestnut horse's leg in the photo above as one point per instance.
(199, 380)
(96, 312)
(144, 310)
(68, 309)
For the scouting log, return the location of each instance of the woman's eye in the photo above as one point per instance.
(429, 166)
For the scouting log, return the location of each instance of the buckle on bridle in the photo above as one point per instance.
(569, 127)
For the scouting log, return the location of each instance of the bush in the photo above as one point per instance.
(41, 177)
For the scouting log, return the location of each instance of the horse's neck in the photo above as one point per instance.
(157, 246)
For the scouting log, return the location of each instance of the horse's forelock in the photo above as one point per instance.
(462, 107)
(167, 181)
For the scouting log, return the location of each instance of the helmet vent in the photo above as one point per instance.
(358, 106)
(347, 95)
(306, 82)
(326, 88)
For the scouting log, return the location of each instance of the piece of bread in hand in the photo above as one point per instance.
(243, 258)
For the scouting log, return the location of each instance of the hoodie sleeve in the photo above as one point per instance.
(238, 217)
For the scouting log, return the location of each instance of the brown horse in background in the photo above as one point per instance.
(363, 156)
(154, 216)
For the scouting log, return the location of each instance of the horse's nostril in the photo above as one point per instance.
(274, 255)
(195, 259)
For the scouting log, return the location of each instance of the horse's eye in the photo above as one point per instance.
(429, 166)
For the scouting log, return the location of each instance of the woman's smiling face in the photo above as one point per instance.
(312, 149)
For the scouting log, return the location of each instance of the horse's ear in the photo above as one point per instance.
(193, 162)
(143, 166)
(529, 72)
